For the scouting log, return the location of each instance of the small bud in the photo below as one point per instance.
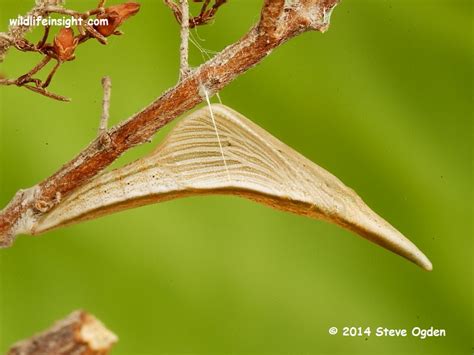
(65, 44)
(116, 15)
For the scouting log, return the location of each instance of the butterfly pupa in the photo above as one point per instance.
(257, 166)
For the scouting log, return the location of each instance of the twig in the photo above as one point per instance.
(184, 47)
(79, 333)
(45, 36)
(46, 93)
(51, 74)
(39, 87)
(175, 8)
(280, 21)
(28, 76)
(104, 120)
(62, 11)
(7, 82)
(93, 33)
(204, 17)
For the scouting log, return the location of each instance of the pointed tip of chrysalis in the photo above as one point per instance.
(425, 263)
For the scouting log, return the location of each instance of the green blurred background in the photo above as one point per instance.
(382, 100)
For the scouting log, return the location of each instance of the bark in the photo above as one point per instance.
(78, 334)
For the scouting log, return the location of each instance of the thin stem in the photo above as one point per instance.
(62, 11)
(175, 8)
(204, 7)
(104, 120)
(93, 33)
(27, 77)
(45, 37)
(50, 76)
(46, 93)
(7, 82)
(184, 48)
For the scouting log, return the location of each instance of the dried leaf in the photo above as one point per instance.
(65, 44)
(116, 15)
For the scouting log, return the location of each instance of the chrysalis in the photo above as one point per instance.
(256, 166)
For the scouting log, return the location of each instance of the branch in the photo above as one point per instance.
(79, 333)
(280, 21)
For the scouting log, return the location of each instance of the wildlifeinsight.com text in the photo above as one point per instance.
(61, 21)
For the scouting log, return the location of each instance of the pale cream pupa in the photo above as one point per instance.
(256, 166)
